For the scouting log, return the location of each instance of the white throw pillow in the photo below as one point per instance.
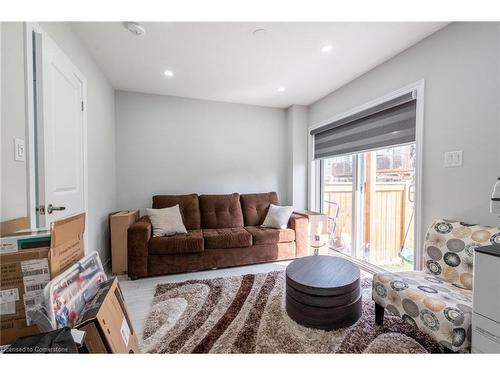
(278, 216)
(166, 221)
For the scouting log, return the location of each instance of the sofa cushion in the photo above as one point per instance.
(255, 207)
(440, 309)
(188, 204)
(220, 211)
(166, 221)
(278, 217)
(190, 242)
(449, 249)
(226, 238)
(269, 236)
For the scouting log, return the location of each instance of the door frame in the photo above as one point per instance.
(315, 169)
(29, 28)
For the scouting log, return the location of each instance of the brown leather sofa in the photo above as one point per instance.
(223, 231)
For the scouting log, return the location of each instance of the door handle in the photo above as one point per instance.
(51, 208)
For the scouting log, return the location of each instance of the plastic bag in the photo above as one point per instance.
(66, 295)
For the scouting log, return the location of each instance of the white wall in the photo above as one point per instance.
(297, 156)
(13, 124)
(100, 136)
(461, 68)
(172, 145)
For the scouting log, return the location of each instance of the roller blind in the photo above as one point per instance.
(388, 124)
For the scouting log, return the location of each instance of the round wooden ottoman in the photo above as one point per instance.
(323, 292)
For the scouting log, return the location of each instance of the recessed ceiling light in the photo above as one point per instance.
(168, 73)
(326, 48)
(281, 89)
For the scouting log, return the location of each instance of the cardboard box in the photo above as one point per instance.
(23, 240)
(23, 276)
(11, 226)
(66, 246)
(119, 222)
(106, 322)
(26, 271)
(65, 239)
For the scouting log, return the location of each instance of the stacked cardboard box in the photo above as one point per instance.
(24, 274)
(28, 261)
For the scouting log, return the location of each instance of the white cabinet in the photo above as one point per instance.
(486, 300)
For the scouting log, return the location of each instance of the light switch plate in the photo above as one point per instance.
(19, 150)
(453, 158)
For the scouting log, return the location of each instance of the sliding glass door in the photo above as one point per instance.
(369, 197)
(338, 187)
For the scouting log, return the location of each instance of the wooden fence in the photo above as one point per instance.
(390, 215)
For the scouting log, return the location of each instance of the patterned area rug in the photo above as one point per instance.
(246, 314)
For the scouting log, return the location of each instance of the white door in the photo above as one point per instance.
(60, 133)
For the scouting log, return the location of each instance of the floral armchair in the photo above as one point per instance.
(437, 300)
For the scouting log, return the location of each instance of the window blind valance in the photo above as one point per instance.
(390, 123)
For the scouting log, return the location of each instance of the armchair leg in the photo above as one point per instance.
(379, 314)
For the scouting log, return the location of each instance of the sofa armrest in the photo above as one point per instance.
(138, 236)
(300, 224)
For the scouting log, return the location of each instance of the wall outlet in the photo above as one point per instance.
(19, 150)
(453, 159)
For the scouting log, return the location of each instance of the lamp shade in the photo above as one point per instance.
(318, 224)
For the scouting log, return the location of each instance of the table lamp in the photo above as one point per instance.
(318, 231)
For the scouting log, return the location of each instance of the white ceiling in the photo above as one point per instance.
(225, 62)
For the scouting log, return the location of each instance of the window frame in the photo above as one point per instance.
(316, 170)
